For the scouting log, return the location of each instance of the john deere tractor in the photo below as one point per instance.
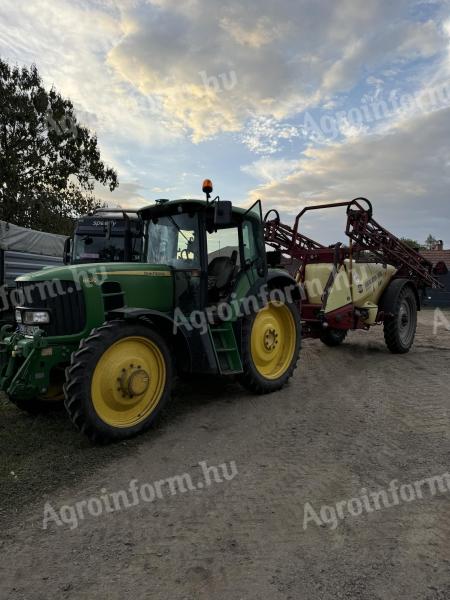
(110, 338)
(208, 299)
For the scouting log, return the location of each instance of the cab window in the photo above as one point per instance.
(174, 240)
(223, 242)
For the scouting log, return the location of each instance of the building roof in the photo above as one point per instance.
(435, 256)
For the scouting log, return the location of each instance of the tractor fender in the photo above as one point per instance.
(162, 323)
(276, 279)
(389, 297)
(279, 278)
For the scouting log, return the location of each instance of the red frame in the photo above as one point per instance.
(364, 234)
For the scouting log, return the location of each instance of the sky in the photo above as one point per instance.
(294, 102)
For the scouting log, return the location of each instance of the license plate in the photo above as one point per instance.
(28, 330)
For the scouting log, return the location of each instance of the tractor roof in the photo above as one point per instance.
(113, 213)
(163, 207)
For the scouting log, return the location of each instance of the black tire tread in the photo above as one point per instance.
(251, 379)
(391, 325)
(76, 378)
(328, 338)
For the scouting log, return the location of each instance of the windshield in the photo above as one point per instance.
(93, 248)
(173, 241)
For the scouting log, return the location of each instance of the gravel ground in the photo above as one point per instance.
(352, 417)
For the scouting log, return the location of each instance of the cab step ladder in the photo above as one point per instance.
(225, 348)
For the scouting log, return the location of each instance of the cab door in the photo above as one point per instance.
(253, 245)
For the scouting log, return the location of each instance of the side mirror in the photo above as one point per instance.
(67, 251)
(223, 213)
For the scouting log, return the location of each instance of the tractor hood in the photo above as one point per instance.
(99, 271)
(98, 288)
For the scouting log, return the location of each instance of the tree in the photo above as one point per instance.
(430, 242)
(414, 244)
(48, 162)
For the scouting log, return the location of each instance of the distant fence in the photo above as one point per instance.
(439, 298)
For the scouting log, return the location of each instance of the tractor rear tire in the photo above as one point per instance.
(333, 337)
(400, 328)
(118, 381)
(271, 340)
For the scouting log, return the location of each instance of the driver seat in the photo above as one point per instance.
(221, 272)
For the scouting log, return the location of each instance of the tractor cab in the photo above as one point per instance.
(212, 248)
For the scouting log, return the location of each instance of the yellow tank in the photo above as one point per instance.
(369, 280)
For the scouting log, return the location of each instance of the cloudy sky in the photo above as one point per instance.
(292, 101)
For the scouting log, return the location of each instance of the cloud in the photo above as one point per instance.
(393, 44)
(69, 42)
(405, 172)
(270, 170)
(263, 32)
(158, 70)
(152, 76)
(127, 195)
(282, 57)
(263, 135)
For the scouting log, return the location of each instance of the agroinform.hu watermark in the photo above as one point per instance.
(136, 492)
(372, 501)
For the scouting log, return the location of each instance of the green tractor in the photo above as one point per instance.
(110, 338)
(207, 299)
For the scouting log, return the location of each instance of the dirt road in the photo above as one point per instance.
(354, 418)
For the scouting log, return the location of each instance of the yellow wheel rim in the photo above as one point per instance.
(273, 340)
(128, 382)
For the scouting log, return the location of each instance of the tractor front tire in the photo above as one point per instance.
(271, 340)
(333, 337)
(400, 327)
(118, 381)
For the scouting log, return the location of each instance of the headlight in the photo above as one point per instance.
(18, 316)
(34, 317)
